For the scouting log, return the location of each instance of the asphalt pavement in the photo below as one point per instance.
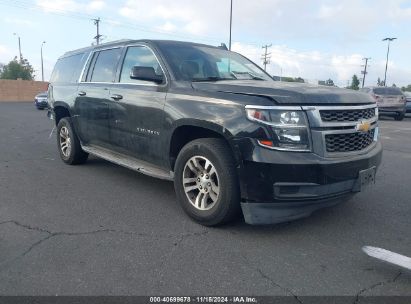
(100, 229)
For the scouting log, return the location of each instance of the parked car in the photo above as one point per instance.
(40, 101)
(408, 101)
(390, 100)
(230, 137)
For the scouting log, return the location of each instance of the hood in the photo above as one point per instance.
(287, 92)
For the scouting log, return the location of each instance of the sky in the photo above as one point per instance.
(312, 39)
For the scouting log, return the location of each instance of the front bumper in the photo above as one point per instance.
(268, 213)
(280, 186)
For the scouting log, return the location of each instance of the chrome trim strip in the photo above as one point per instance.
(127, 83)
(347, 123)
(283, 149)
(361, 107)
(279, 125)
(314, 115)
(346, 131)
(84, 67)
(290, 108)
(318, 128)
(99, 82)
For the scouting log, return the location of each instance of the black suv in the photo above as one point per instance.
(229, 136)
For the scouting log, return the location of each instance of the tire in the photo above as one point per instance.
(208, 164)
(400, 116)
(69, 144)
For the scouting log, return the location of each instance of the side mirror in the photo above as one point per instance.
(146, 74)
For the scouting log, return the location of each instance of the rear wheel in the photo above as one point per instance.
(69, 144)
(206, 181)
(399, 116)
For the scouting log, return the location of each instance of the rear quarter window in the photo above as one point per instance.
(68, 69)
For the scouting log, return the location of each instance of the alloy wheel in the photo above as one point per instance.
(65, 141)
(201, 183)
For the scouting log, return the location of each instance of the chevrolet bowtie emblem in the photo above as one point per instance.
(363, 126)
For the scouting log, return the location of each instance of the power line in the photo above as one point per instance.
(266, 56)
(82, 16)
(365, 69)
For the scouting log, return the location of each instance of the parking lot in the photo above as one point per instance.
(100, 229)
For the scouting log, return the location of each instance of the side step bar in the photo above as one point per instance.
(129, 162)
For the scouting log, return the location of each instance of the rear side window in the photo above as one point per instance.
(68, 69)
(387, 91)
(105, 65)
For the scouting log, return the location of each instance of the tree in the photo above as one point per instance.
(15, 70)
(355, 83)
(380, 83)
(407, 88)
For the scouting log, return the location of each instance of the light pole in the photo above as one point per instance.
(231, 23)
(388, 52)
(21, 57)
(42, 68)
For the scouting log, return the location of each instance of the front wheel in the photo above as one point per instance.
(69, 144)
(206, 181)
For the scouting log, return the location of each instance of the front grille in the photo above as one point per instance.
(349, 142)
(346, 115)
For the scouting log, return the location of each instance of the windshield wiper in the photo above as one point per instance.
(253, 77)
(211, 78)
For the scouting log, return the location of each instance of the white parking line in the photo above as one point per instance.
(388, 256)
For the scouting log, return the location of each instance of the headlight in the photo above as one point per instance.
(289, 127)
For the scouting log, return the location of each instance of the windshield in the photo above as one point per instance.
(202, 63)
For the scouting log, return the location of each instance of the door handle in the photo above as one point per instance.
(116, 97)
(81, 93)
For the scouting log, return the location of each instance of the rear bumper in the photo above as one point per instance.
(280, 186)
(393, 109)
(41, 104)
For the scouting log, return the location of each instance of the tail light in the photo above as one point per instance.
(376, 97)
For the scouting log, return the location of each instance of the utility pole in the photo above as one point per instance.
(231, 23)
(21, 56)
(266, 56)
(97, 24)
(388, 52)
(365, 69)
(42, 67)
